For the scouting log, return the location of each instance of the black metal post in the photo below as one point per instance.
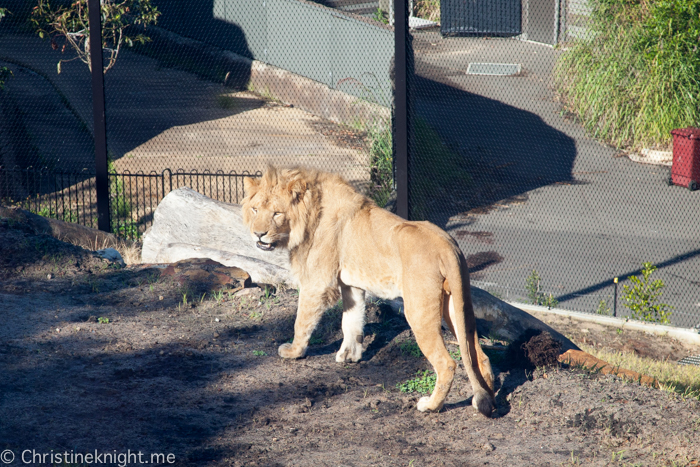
(401, 107)
(98, 115)
(615, 299)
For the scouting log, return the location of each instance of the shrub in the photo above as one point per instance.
(643, 296)
(535, 295)
(636, 76)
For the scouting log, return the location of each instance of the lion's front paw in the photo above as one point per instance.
(351, 352)
(289, 351)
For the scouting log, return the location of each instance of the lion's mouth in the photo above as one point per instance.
(265, 246)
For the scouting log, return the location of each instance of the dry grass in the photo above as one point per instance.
(427, 9)
(130, 251)
(681, 379)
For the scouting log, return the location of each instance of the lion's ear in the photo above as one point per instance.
(250, 185)
(297, 188)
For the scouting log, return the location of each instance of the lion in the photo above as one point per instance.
(341, 244)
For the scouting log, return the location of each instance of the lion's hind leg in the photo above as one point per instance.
(353, 324)
(476, 362)
(426, 322)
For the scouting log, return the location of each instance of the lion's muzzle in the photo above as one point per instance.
(265, 246)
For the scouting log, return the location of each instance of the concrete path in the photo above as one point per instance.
(551, 198)
(161, 118)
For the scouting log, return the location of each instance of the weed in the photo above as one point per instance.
(643, 296)
(219, 296)
(409, 347)
(423, 383)
(255, 315)
(603, 309)
(103, 320)
(619, 331)
(456, 355)
(316, 340)
(381, 162)
(259, 353)
(381, 16)
(535, 294)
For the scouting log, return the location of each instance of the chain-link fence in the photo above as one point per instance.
(519, 141)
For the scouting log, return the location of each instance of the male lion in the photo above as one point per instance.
(342, 244)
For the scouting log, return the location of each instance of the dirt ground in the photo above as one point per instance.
(95, 357)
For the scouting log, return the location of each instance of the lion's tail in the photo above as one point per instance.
(475, 360)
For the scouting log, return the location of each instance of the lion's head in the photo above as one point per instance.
(274, 208)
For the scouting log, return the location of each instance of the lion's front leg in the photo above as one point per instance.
(353, 324)
(309, 313)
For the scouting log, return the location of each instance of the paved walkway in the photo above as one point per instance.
(161, 118)
(551, 198)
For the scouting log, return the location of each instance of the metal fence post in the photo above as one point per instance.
(400, 139)
(98, 115)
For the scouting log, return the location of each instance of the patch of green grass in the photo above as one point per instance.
(103, 320)
(409, 347)
(423, 383)
(636, 76)
(259, 353)
(381, 162)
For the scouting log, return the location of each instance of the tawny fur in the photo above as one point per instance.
(340, 242)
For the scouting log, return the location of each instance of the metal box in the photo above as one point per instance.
(685, 170)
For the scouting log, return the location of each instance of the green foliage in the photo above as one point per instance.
(381, 162)
(409, 347)
(120, 207)
(603, 309)
(642, 298)
(381, 16)
(636, 76)
(69, 25)
(423, 383)
(535, 295)
(103, 320)
(259, 353)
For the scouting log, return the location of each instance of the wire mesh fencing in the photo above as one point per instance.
(523, 141)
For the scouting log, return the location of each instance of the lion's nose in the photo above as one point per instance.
(260, 234)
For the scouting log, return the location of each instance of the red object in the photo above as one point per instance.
(686, 158)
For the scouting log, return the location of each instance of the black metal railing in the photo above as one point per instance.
(133, 197)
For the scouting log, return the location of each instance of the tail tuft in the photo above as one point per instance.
(483, 402)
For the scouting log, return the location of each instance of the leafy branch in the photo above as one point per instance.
(67, 27)
(643, 296)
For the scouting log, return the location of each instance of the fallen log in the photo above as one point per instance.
(188, 225)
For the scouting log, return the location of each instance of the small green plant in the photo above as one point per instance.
(409, 347)
(218, 296)
(456, 355)
(423, 383)
(603, 308)
(103, 320)
(534, 293)
(255, 315)
(381, 16)
(316, 340)
(381, 162)
(259, 353)
(643, 297)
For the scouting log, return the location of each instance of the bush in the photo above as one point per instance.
(643, 296)
(636, 76)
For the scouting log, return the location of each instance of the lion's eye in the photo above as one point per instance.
(255, 211)
(277, 214)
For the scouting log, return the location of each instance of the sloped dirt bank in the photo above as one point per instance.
(111, 359)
